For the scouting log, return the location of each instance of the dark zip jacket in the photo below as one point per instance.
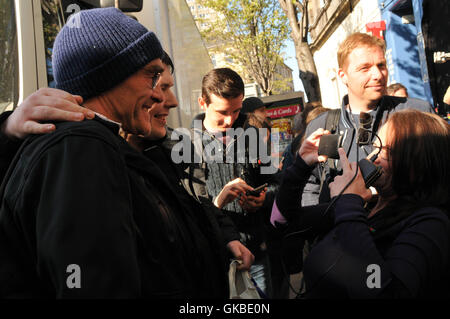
(82, 197)
(186, 185)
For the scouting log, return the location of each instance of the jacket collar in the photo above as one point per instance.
(114, 127)
(238, 123)
(345, 114)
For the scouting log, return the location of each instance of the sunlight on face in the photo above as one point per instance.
(221, 113)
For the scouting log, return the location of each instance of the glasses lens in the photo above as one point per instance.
(382, 152)
(155, 80)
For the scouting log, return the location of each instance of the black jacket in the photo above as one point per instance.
(411, 248)
(83, 196)
(186, 185)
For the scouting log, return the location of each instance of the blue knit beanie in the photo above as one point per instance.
(100, 50)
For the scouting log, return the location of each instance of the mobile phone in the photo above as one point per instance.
(369, 171)
(329, 145)
(256, 191)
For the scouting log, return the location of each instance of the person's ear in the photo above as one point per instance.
(343, 76)
(202, 103)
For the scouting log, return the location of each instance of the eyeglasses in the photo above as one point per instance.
(382, 152)
(155, 79)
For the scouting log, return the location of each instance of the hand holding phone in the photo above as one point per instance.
(253, 199)
(256, 191)
(231, 191)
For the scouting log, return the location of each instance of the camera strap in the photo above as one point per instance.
(331, 124)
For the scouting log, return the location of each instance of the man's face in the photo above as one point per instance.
(365, 74)
(133, 98)
(221, 113)
(160, 111)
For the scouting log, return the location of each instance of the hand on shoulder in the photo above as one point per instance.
(33, 115)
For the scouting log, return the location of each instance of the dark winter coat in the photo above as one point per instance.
(82, 196)
(410, 249)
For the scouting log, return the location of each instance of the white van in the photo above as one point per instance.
(29, 27)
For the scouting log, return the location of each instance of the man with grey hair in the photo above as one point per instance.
(83, 215)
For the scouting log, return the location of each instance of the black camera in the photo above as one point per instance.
(369, 171)
(329, 145)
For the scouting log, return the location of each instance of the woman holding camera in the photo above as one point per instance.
(398, 249)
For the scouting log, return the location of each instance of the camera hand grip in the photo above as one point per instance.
(370, 171)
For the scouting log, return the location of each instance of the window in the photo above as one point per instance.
(52, 21)
(54, 15)
(9, 79)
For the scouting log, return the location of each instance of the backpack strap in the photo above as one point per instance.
(332, 120)
(331, 124)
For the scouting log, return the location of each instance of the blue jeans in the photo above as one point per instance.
(260, 272)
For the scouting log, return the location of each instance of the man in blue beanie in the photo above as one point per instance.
(83, 215)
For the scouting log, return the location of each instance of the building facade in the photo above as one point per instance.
(398, 22)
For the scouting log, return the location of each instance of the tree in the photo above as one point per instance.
(297, 14)
(252, 33)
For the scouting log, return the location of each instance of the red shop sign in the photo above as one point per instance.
(283, 111)
(376, 28)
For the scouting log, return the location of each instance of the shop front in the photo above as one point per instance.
(281, 110)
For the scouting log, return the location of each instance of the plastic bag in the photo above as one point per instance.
(241, 286)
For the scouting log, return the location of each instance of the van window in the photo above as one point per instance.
(54, 15)
(9, 74)
(52, 21)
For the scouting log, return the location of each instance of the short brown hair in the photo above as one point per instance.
(357, 40)
(419, 145)
(391, 89)
(222, 82)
